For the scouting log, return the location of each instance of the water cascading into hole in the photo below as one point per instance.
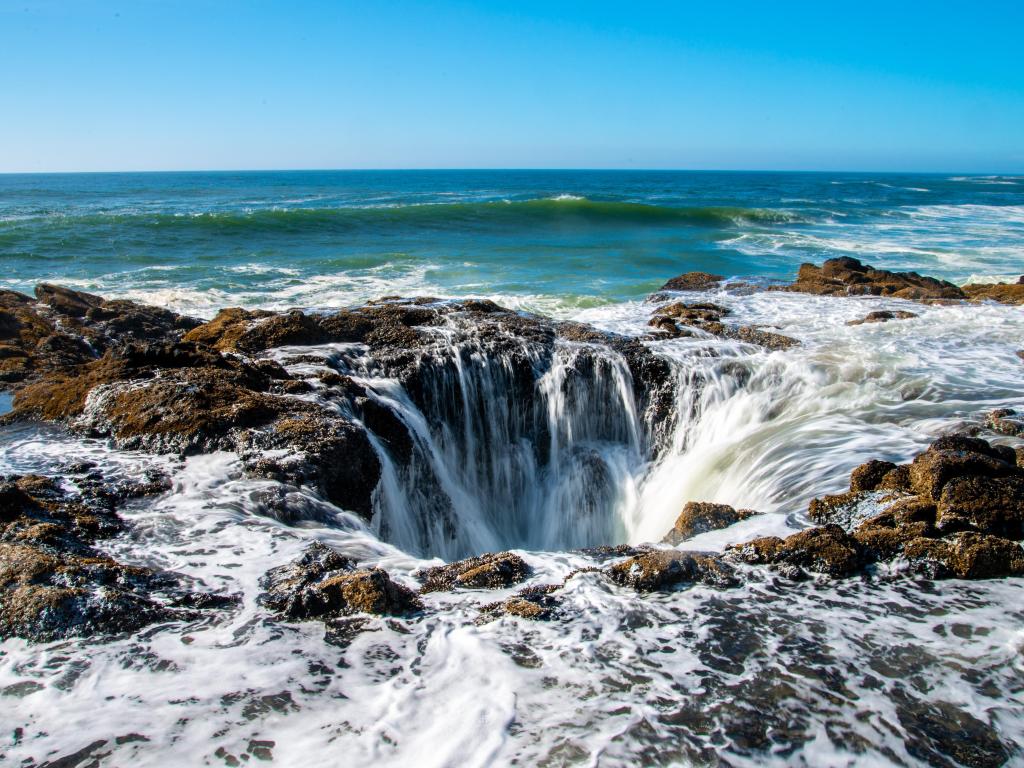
(515, 446)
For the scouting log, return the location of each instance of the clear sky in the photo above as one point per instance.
(227, 84)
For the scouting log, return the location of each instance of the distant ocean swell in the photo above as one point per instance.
(559, 210)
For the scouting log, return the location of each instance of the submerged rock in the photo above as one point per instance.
(663, 568)
(323, 584)
(883, 316)
(700, 517)
(846, 276)
(533, 603)
(494, 570)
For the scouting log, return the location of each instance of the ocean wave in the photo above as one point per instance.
(560, 210)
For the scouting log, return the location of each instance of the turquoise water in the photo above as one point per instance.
(548, 240)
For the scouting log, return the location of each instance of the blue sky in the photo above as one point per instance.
(223, 84)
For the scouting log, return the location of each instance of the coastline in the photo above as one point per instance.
(326, 412)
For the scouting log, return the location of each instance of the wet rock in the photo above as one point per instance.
(827, 549)
(494, 570)
(1004, 293)
(967, 555)
(693, 281)
(882, 541)
(663, 568)
(1006, 421)
(316, 448)
(849, 277)
(707, 317)
(956, 456)
(322, 584)
(883, 316)
(843, 509)
(988, 504)
(869, 475)
(940, 734)
(54, 584)
(532, 603)
(701, 517)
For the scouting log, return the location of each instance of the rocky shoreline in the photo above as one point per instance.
(149, 379)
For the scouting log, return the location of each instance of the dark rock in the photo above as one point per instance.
(967, 555)
(532, 603)
(1004, 293)
(1006, 421)
(693, 281)
(663, 568)
(326, 452)
(701, 517)
(955, 456)
(987, 504)
(322, 584)
(491, 571)
(940, 734)
(849, 277)
(883, 316)
(869, 476)
(54, 584)
(707, 317)
(827, 549)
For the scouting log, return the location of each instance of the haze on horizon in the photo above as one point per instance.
(199, 84)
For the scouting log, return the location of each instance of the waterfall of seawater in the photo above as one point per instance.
(511, 449)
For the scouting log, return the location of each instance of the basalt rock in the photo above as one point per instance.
(314, 447)
(494, 570)
(949, 512)
(676, 320)
(827, 549)
(532, 603)
(1006, 421)
(693, 281)
(1004, 293)
(958, 456)
(660, 569)
(849, 277)
(883, 316)
(701, 517)
(322, 584)
(869, 476)
(967, 555)
(54, 584)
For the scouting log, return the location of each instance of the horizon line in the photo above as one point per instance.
(480, 169)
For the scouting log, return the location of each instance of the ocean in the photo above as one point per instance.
(886, 669)
(552, 241)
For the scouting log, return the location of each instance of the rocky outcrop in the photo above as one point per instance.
(660, 569)
(957, 510)
(62, 328)
(323, 584)
(1004, 293)
(679, 319)
(693, 281)
(494, 570)
(55, 584)
(846, 276)
(700, 517)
